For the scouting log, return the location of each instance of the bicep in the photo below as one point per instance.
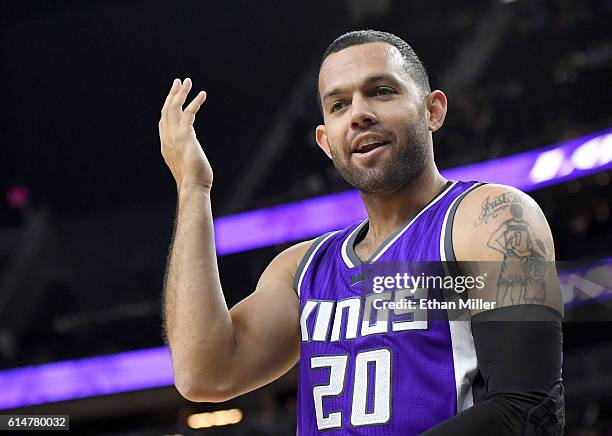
(266, 326)
(501, 234)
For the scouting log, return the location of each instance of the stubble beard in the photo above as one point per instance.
(407, 160)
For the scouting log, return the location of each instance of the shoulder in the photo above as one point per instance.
(279, 275)
(501, 233)
(489, 213)
(289, 259)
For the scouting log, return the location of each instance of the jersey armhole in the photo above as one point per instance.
(303, 265)
(447, 252)
(467, 383)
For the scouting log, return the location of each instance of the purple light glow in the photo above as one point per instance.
(71, 379)
(309, 218)
(151, 368)
(289, 222)
(584, 284)
(18, 196)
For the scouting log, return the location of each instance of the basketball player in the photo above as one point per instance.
(366, 369)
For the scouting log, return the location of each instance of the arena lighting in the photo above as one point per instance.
(18, 196)
(152, 368)
(527, 171)
(81, 378)
(584, 283)
(214, 419)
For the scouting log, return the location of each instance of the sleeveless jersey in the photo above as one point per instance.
(365, 371)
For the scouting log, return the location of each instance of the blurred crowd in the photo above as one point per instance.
(547, 81)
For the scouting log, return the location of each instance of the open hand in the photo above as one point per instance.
(179, 145)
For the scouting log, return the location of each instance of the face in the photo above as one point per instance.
(378, 124)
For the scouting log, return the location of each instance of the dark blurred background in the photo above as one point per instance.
(87, 204)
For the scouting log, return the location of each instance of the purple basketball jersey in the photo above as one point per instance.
(400, 373)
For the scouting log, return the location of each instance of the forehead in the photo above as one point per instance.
(351, 64)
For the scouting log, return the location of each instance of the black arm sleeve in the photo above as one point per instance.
(519, 352)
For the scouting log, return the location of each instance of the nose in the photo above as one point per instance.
(362, 115)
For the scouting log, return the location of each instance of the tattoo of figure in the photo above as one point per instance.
(523, 271)
(492, 207)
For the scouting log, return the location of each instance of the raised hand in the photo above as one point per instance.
(179, 145)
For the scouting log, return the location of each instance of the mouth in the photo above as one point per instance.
(369, 147)
(369, 154)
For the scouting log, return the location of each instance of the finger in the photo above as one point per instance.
(173, 89)
(161, 128)
(179, 99)
(175, 108)
(164, 112)
(192, 109)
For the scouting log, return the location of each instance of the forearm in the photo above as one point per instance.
(198, 325)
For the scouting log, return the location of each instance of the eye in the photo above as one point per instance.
(336, 106)
(384, 90)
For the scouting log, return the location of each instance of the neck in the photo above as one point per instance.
(389, 210)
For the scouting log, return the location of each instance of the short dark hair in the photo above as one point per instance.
(412, 64)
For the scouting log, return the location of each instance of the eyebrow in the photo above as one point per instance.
(368, 80)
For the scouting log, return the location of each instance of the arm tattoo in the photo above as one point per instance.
(492, 207)
(524, 268)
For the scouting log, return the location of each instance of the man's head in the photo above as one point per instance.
(412, 64)
(378, 111)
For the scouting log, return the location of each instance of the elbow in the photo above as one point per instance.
(204, 395)
(204, 380)
(204, 392)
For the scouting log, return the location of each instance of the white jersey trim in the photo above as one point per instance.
(345, 257)
(307, 264)
(407, 226)
(399, 233)
(465, 363)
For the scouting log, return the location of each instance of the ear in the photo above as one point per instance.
(321, 138)
(436, 110)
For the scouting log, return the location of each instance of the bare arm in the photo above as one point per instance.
(216, 353)
(513, 245)
(518, 343)
(494, 242)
